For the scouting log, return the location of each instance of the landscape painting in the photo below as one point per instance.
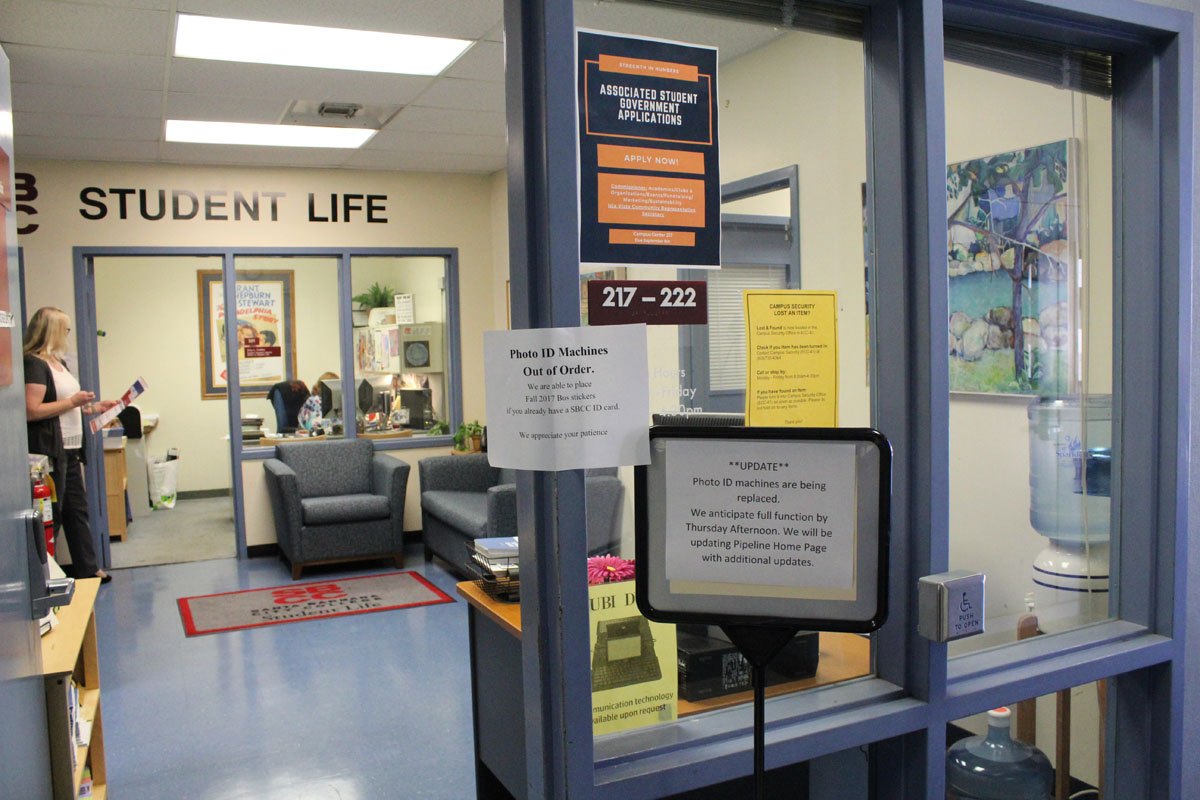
(1012, 272)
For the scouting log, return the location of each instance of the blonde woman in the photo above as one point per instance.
(54, 409)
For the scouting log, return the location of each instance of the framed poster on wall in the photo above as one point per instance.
(1014, 272)
(266, 331)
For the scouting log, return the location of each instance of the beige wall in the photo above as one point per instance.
(149, 311)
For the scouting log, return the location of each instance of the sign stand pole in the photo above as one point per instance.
(759, 644)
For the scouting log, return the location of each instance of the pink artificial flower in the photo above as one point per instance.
(608, 569)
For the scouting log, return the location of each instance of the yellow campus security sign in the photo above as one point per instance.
(791, 358)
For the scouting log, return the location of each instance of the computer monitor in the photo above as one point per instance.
(331, 399)
(369, 390)
(419, 404)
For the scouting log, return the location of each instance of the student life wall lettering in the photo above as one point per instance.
(155, 204)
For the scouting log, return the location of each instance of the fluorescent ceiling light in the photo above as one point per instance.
(311, 46)
(183, 130)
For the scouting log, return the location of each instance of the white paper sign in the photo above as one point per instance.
(763, 514)
(567, 398)
(404, 309)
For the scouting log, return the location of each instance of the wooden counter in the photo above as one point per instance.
(843, 655)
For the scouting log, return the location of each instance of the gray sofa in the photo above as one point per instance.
(463, 498)
(336, 501)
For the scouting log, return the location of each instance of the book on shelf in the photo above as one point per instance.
(83, 732)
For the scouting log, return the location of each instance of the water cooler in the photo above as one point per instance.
(1070, 453)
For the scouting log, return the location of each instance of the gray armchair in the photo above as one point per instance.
(463, 498)
(336, 501)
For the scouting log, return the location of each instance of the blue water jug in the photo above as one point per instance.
(996, 767)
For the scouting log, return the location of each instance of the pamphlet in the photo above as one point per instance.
(635, 675)
(100, 420)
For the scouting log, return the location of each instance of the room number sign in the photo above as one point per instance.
(650, 302)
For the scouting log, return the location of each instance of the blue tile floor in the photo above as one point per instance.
(372, 706)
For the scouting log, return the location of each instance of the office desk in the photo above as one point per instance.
(393, 433)
(498, 722)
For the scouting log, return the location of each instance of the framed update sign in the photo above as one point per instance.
(744, 526)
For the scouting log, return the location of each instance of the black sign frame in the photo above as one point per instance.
(651, 569)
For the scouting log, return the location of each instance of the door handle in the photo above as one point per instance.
(44, 592)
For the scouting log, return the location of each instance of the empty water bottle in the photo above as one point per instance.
(996, 767)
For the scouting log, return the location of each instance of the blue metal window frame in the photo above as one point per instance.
(902, 712)
(83, 263)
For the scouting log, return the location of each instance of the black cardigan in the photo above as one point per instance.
(45, 435)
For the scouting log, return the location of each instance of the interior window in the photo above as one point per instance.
(1029, 266)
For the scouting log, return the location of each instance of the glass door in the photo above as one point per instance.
(288, 345)
(916, 170)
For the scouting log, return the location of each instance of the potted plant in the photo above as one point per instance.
(376, 296)
(467, 437)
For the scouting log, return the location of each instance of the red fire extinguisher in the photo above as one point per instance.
(42, 494)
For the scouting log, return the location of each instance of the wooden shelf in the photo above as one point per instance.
(89, 707)
(115, 479)
(69, 653)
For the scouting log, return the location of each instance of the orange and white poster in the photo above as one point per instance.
(649, 182)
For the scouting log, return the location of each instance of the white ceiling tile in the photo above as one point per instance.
(496, 34)
(430, 142)
(293, 83)
(86, 100)
(246, 155)
(92, 127)
(95, 78)
(424, 162)
(475, 123)
(483, 61)
(462, 19)
(85, 68)
(50, 23)
(182, 105)
(158, 5)
(458, 93)
(86, 149)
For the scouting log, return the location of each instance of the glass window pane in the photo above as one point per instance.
(1029, 210)
(818, 135)
(288, 345)
(1030, 745)
(400, 345)
(727, 319)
